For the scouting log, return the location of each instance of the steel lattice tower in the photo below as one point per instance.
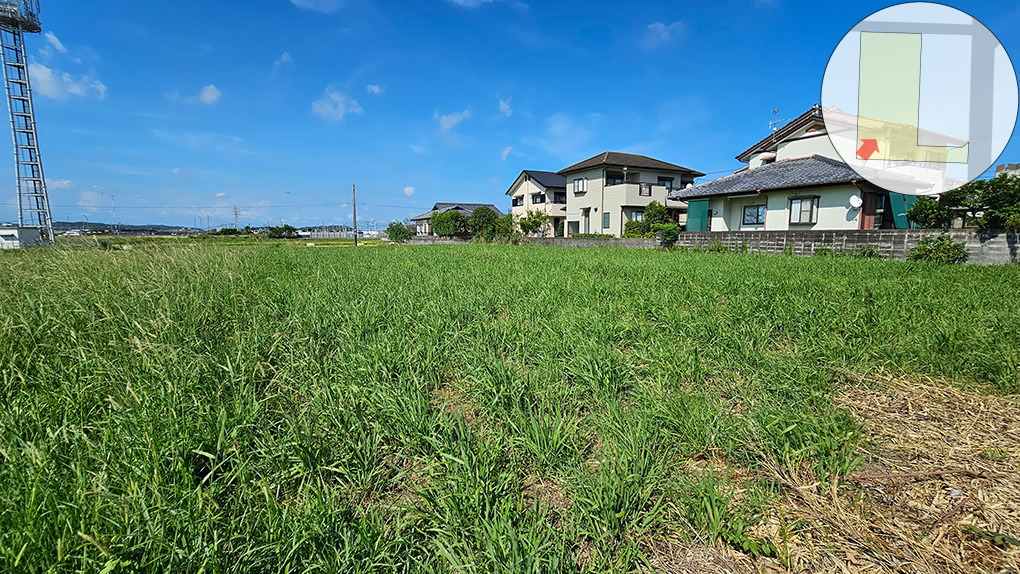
(16, 18)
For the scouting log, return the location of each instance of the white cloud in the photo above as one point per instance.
(90, 200)
(418, 149)
(470, 3)
(325, 6)
(409, 191)
(283, 60)
(209, 95)
(59, 85)
(658, 34)
(505, 108)
(176, 171)
(52, 39)
(220, 194)
(448, 121)
(506, 152)
(59, 183)
(374, 89)
(565, 136)
(334, 105)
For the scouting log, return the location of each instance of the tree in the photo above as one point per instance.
(397, 232)
(482, 223)
(506, 226)
(282, 232)
(990, 203)
(532, 222)
(449, 223)
(656, 214)
(1000, 198)
(930, 213)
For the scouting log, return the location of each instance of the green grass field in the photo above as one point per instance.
(264, 408)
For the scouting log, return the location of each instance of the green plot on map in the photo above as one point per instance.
(889, 102)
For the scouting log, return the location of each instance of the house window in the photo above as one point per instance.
(666, 182)
(537, 198)
(645, 189)
(638, 216)
(518, 201)
(559, 197)
(803, 210)
(614, 177)
(605, 220)
(754, 215)
(581, 185)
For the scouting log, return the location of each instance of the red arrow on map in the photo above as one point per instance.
(869, 148)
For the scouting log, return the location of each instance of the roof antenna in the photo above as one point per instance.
(774, 124)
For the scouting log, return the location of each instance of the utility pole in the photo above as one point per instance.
(237, 217)
(354, 204)
(116, 228)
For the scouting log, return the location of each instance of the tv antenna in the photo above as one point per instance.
(16, 18)
(774, 124)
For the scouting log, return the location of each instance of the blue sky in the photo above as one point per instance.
(185, 109)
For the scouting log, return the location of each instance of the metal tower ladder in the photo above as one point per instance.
(33, 202)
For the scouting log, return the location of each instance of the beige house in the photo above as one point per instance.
(794, 180)
(542, 191)
(606, 191)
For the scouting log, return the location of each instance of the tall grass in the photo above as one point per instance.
(271, 409)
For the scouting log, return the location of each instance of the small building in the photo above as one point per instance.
(16, 237)
(423, 222)
(541, 191)
(1008, 168)
(607, 190)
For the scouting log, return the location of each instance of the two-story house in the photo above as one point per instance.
(606, 191)
(542, 191)
(794, 180)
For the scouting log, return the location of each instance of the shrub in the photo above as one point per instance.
(941, 249)
(558, 232)
(533, 222)
(669, 234)
(506, 227)
(482, 223)
(397, 232)
(656, 213)
(634, 228)
(449, 223)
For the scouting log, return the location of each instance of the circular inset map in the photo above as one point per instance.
(919, 98)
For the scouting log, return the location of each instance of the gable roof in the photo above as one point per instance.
(547, 179)
(466, 208)
(811, 171)
(807, 118)
(619, 159)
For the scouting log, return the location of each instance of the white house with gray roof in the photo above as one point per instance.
(794, 180)
(607, 190)
(541, 191)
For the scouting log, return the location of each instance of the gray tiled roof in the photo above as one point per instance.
(812, 171)
(547, 179)
(466, 208)
(618, 159)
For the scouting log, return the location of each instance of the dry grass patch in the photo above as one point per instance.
(940, 491)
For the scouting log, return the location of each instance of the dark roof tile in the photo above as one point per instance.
(618, 159)
(812, 171)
